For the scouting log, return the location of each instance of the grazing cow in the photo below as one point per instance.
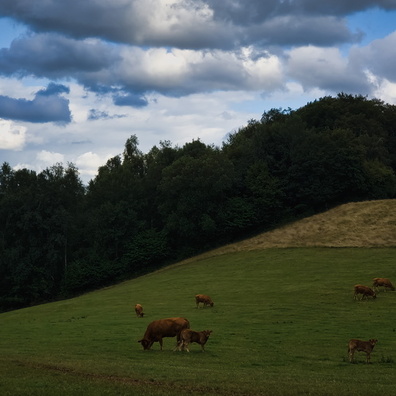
(365, 291)
(139, 311)
(384, 282)
(361, 346)
(204, 299)
(161, 328)
(188, 336)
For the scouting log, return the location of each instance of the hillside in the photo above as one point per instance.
(356, 224)
(263, 329)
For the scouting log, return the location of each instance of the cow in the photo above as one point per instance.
(188, 336)
(361, 346)
(158, 329)
(204, 299)
(365, 291)
(384, 282)
(139, 311)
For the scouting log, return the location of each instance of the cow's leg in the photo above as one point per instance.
(350, 353)
(180, 345)
(160, 342)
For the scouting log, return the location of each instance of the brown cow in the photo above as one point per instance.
(161, 328)
(188, 336)
(384, 282)
(139, 311)
(365, 291)
(204, 299)
(361, 346)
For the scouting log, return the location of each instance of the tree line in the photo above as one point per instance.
(59, 238)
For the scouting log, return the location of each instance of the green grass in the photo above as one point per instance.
(281, 322)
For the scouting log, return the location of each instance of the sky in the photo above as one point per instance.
(78, 78)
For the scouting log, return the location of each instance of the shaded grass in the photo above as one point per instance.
(281, 322)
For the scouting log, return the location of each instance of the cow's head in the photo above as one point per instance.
(205, 335)
(144, 343)
(211, 304)
(373, 342)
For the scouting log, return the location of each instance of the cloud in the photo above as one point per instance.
(94, 115)
(135, 71)
(185, 24)
(327, 69)
(88, 163)
(54, 56)
(179, 69)
(378, 57)
(179, 47)
(245, 13)
(152, 22)
(130, 100)
(301, 30)
(48, 158)
(12, 136)
(47, 106)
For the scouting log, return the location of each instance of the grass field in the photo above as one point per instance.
(281, 322)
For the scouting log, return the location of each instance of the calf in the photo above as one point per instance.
(204, 299)
(361, 346)
(139, 311)
(188, 336)
(161, 328)
(384, 282)
(365, 291)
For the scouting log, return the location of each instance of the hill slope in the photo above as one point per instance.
(279, 314)
(356, 224)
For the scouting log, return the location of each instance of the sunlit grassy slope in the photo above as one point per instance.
(281, 321)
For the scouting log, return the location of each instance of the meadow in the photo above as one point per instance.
(281, 323)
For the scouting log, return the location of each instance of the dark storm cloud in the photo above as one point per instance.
(302, 30)
(186, 24)
(247, 12)
(47, 106)
(54, 56)
(130, 99)
(95, 115)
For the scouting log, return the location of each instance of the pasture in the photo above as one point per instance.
(281, 323)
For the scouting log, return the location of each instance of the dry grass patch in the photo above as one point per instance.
(356, 224)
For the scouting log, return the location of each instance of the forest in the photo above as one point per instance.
(59, 238)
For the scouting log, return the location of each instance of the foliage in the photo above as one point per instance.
(141, 211)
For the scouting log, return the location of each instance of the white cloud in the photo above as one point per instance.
(48, 158)
(88, 163)
(12, 136)
(379, 57)
(326, 68)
